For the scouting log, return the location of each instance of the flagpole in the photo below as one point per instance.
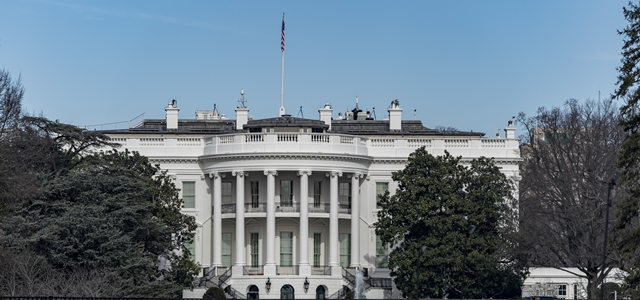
(282, 112)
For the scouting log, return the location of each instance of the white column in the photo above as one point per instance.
(334, 244)
(270, 264)
(355, 220)
(305, 268)
(239, 263)
(217, 219)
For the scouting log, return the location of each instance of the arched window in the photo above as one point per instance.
(287, 292)
(254, 292)
(320, 292)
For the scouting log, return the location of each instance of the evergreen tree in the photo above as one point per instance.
(113, 212)
(450, 225)
(627, 239)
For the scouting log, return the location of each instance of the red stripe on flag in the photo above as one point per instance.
(282, 37)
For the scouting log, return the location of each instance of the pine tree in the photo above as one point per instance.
(627, 230)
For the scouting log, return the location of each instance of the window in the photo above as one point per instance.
(317, 193)
(189, 194)
(286, 193)
(317, 242)
(562, 290)
(344, 194)
(320, 292)
(287, 292)
(255, 249)
(345, 249)
(254, 292)
(255, 192)
(226, 193)
(226, 250)
(286, 249)
(381, 188)
(190, 246)
(382, 254)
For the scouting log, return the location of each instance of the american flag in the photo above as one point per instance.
(282, 38)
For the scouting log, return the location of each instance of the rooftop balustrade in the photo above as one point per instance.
(323, 143)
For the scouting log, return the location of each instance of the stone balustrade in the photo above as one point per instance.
(324, 143)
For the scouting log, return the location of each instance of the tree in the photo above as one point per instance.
(214, 293)
(114, 212)
(11, 93)
(569, 157)
(627, 229)
(450, 226)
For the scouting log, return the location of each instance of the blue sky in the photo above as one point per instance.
(465, 64)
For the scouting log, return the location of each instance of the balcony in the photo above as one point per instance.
(260, 207)
(285, 143)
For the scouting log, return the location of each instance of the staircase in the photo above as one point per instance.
(210, 280)
(227, 288)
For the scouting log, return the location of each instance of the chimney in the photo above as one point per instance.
(242, 117)
(510, 131)
(172, 115)
(242, 112)
(395, 116)
(325, 114)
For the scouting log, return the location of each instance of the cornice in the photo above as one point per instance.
(277, 156)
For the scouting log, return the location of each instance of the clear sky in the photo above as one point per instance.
(465, 64)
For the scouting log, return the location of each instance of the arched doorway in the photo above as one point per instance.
(254, 292)
(287, 292)
(320, 292)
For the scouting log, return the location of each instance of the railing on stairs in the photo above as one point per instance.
(227, 288)
(340, 294)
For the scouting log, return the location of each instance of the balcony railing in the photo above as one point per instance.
(287, 206)
(313, 207)
(344, 208)
(257, 270)
(322, 207)
(285, 142)
(288, 270)
(384, 283)
(320, 270)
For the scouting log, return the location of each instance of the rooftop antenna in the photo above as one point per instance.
(282, 112)
(356, 101)
(242, 100)
(414, 113)
(373, 111)
(300, 112)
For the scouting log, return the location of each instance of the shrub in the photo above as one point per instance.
(214, 293)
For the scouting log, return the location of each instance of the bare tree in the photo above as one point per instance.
(11, 93)
(569, 157)
(27, 274)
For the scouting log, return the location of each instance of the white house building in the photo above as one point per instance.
(562, 283)
(286, 206)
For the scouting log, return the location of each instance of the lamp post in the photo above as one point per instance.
(612, 182)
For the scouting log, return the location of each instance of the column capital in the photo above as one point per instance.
(270, 172)
(216, 175)
(333, 174)
(239, 173)
(304, 172)
(357, 175)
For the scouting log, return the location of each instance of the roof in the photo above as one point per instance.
(226, 126)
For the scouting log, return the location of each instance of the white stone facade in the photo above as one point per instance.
(288, 200)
